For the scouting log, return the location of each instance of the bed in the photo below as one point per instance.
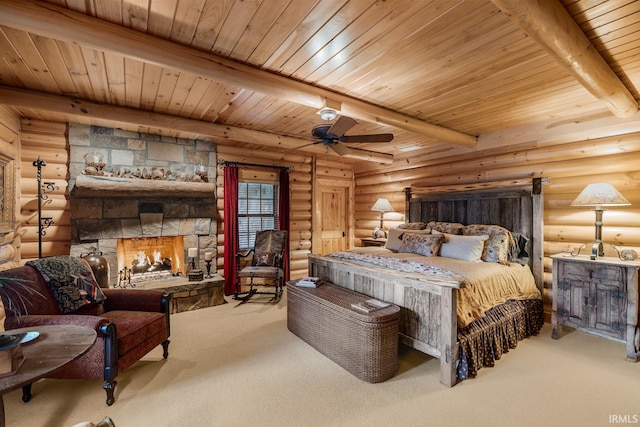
(429, 319)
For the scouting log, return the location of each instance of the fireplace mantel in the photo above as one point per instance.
(102, 186)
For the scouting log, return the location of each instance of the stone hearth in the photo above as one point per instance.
(186, 296)
(105, 209)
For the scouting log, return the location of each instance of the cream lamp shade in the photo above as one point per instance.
(599, 194)
(381, 205)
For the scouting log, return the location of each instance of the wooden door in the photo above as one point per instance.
(333, 219)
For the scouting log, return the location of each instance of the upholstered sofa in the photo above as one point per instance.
(129, 322)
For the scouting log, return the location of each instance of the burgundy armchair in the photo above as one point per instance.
(129, 323)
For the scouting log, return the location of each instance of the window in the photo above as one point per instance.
(257, 210)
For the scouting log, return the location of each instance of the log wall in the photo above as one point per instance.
(569, 166)
(47, 140)
(10, 240)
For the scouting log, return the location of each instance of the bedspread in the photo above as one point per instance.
(484, 285)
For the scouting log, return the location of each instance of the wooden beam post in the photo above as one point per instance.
(227, 135)
(548, 23)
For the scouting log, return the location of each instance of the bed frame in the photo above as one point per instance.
(428, 319)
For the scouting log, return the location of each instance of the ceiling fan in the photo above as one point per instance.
(333, 136)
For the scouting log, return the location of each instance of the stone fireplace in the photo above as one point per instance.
(122, 217)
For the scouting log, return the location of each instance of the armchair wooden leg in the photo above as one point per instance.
(109, 387)
(165, 348)
(26, 393)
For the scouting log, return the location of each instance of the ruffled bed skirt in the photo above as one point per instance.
(485, 340)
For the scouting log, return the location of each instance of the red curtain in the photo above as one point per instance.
(283, 214)
(231, 246)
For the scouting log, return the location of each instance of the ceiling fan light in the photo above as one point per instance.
(328, 114)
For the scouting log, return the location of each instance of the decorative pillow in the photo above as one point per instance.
(497, 248)
(519, 250)
(395, 237)
(71, 281)
(446, 227)
(263, 259)
(413, 226)
(465, 248)
(421, 244)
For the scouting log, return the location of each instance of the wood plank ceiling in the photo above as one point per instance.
(463, 65)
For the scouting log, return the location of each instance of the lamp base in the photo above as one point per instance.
(379, 233)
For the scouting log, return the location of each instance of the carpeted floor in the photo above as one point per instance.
(238, 365)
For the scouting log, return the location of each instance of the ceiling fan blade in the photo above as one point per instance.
(341, 149)
(342, 125)
(358, 154)
(381, 137)
(306, 145)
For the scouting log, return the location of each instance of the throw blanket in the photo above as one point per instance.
(408, 265)
(484, 284)
(71, 281)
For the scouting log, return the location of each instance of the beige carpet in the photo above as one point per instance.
(238, 365)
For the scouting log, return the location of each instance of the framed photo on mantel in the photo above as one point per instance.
(7, 194)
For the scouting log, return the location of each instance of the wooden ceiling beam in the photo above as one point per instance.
(73, 108)
(56, 22)
(550, 25)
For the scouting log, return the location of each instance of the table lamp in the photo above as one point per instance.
(599, 194)
(381, 205)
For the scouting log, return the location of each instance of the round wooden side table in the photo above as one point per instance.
(56, 346)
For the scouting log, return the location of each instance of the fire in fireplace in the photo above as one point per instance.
(144, 263)
(149, 258)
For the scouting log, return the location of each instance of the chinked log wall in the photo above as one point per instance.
(10, 146)
(570, 167)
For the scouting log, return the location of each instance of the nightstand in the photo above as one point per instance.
(373, 242)
(597, 296)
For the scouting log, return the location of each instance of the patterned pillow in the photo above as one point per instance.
(519, 250)
(446, 227)
(413, 226)
(497, 248)
(395, 237)
(421, 244)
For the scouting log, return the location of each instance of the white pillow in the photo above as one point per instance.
(465, 248)
(394, 239)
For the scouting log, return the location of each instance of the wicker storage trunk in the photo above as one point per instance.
(365, 344)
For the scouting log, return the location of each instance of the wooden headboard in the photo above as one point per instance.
(518, 209)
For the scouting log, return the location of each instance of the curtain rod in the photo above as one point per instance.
(224, 163)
